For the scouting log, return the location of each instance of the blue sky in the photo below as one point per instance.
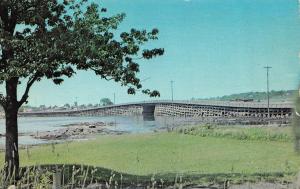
(212, 48)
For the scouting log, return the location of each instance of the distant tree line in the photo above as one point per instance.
(103, 102)
(259, 96)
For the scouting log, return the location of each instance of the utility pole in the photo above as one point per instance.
(268, 95)
(114, 98)
(172, 82)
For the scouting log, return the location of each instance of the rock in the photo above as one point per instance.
(77, 131)
(12, 187)
(96, 186)
(100, 123)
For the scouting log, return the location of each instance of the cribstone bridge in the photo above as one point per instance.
(183, 109)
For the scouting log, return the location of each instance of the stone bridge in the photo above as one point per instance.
(182, 108)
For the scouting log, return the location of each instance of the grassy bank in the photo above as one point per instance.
(261, 133)
(170, 153)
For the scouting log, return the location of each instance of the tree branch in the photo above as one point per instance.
(2, 101)
(25, 95)
(103, 75)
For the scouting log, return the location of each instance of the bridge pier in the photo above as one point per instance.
(148, 112)
(148, 109)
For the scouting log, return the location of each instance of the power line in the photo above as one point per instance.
(145, 79)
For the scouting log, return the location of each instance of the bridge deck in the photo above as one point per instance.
(232, 104)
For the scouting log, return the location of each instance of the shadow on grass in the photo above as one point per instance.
(80, 175)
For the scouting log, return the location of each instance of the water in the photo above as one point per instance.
(33, 124)
(132, 124)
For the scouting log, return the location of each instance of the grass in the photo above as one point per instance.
(200, 154)
(170, 153)
(283, 134)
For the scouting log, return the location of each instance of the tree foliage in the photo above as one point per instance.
(106, 102)
(275, 95)
(54, 39)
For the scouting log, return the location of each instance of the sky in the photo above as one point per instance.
(212, 48)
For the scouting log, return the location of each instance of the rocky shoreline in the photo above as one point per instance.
(77, 131)
(89, 130)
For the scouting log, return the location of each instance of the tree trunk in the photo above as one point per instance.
(11, 118)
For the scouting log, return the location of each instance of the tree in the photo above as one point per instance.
(67, 105)
(53, 39)
(42, 107)
(296, 122)
(106, 102)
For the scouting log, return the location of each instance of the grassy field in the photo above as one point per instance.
(174, 152)
(261, 133)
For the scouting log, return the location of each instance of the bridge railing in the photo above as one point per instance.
(224, 103)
